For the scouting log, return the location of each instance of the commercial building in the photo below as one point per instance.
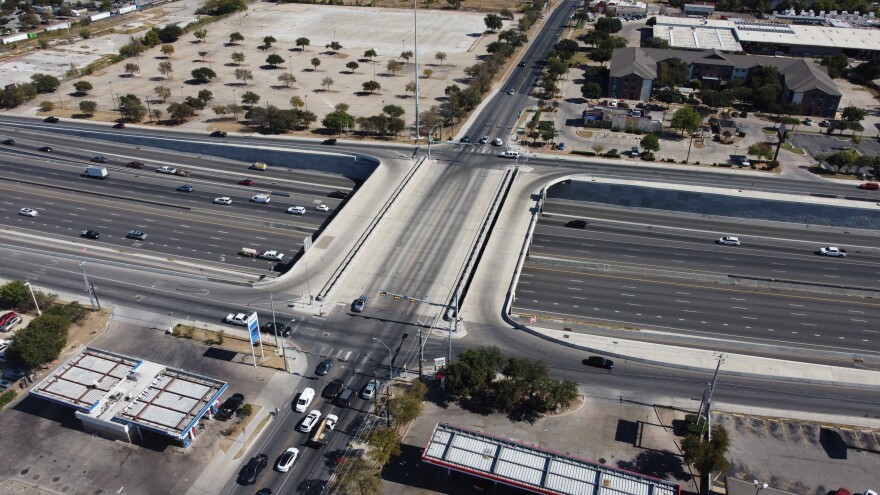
(633, 73)
(123, 397)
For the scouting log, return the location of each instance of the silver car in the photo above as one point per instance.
(369, 390)
(729, 240)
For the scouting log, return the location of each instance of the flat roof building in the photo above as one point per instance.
(117, 395)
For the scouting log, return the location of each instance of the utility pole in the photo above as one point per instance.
(708, 415)
(92, 298)
(455, 326)
(416, 64)
(446, 306)
(277, 336)
(421, 354)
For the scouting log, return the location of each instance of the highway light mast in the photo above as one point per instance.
(453, 307)
(416, 64)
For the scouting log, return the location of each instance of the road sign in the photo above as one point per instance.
(439, 364)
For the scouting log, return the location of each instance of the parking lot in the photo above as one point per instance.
(45, 446)
(822, 144)
(806, 458)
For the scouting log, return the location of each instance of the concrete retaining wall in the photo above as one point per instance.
(713, 204)
(351, 165)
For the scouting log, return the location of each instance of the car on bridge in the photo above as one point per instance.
(225, 200)
(185, 188)
(135, 164)
(137, 235)
(272, 255)
(834, 252)
(577, 224)
(100, 159)
(322, 207)
(45, 149)
(9, 142)
(245, 182)
(28, 212)
(50, 119)
(729, 240)
(870, 186)
(359, 304)
(90, 234)
(166, 170)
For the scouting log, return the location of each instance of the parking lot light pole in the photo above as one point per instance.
(39, 313)
(759, 486)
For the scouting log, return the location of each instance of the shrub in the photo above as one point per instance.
(6, 398)
(220, 335)
(246, 410)
(615, 129)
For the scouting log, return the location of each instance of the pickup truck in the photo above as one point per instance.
(236, 319)
(831, 251)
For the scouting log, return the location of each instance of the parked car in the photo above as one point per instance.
(808, 121)
(729, 240)
(599, 362)
(310, 421)
(137, 234)
(324, 367)
(337, 194)
(90, 234)
(286, 460)
(28, 212)
(7, 317)
(249, 473)
(825, 123)
(7, 324)
(359, 304)
(218, 134)
(229, 406)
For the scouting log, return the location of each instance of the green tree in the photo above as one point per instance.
(15, 295)
(44, 83)
(167, 50)
(179, 113)
(655, 42)
(203, 74)
(352, 66)
(706, 456)
(836, 65)
(686, 119)
(302, 43)
(608, 25)
(650, 142)
(393, 66)
(237, 57)
(88, 107)
(854, 114)
(220, 7)
(296, 102)
(566, 49)
(166, 69)
(47, 106)
(205, 95)
(131, 69)
(361, 478)
(474, 371)
(369, 54)
(250, 98)
(393, 110)
(82, 87)
(591, 90)
(131, 108)
(274, 59)
(152, 39)
(440, 56)
(407, 407)
(41, 341)
(200, 35)
(338, 121)
(162, 92)
(170, 33)
(268, 41)
(244, 75)
(672, 72)
(371, 86)
(493, 22)
(235, 38)
(334, 46)
(315, 62)
(668, 95)
(715, 99)
(761, 150)
(384, 444)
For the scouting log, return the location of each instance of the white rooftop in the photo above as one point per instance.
(532, 468)
(116, 388)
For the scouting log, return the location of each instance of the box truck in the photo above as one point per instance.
(94, 172)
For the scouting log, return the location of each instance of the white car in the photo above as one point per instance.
(166, 170)
(272, 255)
(261, 198)
(729, 241)
(497, 142)
(305, 399)
(286, 460)
(310, 421)
(28, 212)
(223, 201)
(331, 421)
(237, 319)
(322, 208)
(296, 210)
(4, 344)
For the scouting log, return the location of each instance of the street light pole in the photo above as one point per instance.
(759, 486)
(390, 374)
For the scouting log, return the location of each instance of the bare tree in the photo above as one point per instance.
(166, 70)
(441, 56)
(244, 75)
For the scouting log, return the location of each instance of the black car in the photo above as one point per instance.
(265, 491)
(337, 194)
(330, 141)
(185, 188)
(324, 367)
(9, 142)
(521, 64)
(135, 164)
(120, 125)
(270, 328)
(51, 120)
(599, 362)
(577, 224)
(465, 139)
(332, 389)
(46, 149)
(90, 234)
(218, 134)
(251, 470)
(229, 406)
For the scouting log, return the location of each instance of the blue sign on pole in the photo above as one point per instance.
(253, 327)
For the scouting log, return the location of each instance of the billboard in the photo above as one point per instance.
(253, 327)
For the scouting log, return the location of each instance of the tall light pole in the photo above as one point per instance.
(39, 313)
(390, 374)
(277, 336)
(416, 64)
(759, 486)
(92, 297)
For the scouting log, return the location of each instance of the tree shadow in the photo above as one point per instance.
(657, 463)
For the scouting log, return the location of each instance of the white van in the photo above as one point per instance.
(510, 154)
(305, 398)
(261, 198)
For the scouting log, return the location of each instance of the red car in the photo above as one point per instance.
(119, 126)
(246, 182)
(871, 186)
(5, 318)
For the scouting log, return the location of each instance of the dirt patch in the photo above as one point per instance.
(83, 335)
(271, 359)
(231, 434)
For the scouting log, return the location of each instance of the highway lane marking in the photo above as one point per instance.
(860, 321)
(739, 307)
(627, 295)
(778, 264)
(683, 293)
(524, 283)
(576, 281)
(823, 299)
(633, 304)
(690, 311)
(528, 291)
(526, 275)
(629, 287)
(577, 297)
(809, 324)
(855, 311)
(738, 298)
(748, 317)
(796, 305)
(682, 301)
(798, 314)
(573, 288)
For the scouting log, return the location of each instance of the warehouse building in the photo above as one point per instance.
(122, 397)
